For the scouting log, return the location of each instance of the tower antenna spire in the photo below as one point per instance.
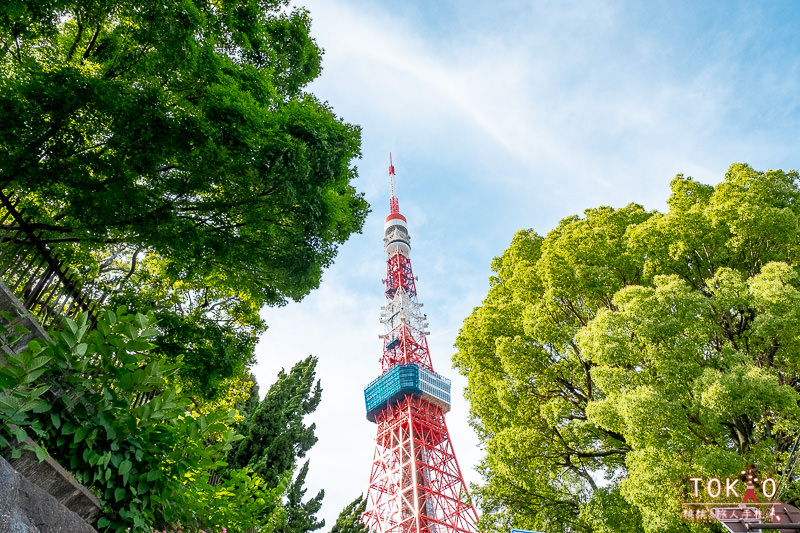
(394, 206)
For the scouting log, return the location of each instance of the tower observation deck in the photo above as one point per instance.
(415, 483)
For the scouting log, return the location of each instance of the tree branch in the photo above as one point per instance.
(39, 226)
(132, 269)
(597, 453)
(19, 51)
(6, 48)
(91, 42)
(77, 39)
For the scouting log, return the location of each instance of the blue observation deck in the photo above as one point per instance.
(406, 380)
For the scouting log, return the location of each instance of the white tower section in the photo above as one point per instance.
(405, 325)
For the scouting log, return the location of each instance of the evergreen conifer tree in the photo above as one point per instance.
(349, 520)
(275, 437)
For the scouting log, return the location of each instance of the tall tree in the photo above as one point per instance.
(276, 437)
(171, 150)
(628, 350)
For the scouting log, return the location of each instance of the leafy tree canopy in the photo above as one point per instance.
(170, 148)
(628, 350)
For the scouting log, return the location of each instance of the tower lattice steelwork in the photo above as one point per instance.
(415, 485)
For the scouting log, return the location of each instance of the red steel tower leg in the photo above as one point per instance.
(415, 485)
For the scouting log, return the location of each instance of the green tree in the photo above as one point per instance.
(628, 350)
(169, 148)
(349, 520)
(275, 437)
(300, 516)
(247, 406)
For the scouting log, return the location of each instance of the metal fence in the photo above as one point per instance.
(46, 286)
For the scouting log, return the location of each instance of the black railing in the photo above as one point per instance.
(47, 287)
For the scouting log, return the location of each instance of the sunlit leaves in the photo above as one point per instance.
(628, 349)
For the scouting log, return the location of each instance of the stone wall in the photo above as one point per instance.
(27, 508)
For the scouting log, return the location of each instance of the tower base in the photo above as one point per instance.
(416, 485)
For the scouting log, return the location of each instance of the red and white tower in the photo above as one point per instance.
(415, 485)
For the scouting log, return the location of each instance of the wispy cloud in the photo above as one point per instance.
(507, 115)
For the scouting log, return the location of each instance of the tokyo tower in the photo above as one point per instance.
(415, 484)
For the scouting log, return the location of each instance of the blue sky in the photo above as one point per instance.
(507, 115)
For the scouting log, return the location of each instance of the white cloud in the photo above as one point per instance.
(507, 115)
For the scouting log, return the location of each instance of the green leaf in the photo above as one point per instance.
(10, 402)
(39, 362)
(129, 358)
(30, 377)
(71, 325)
(138, 345)
(127, 382)
(125, 467)
(80, 434)
(6, 380)
(38, 391)
(40, 406)
(40, 452)
(35, 346)
(116, 460)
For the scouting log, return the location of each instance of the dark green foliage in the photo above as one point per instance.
(275, 437)
(300, 516)
(349, 520)
(169, 153)
(274, 434)
(169, 149)
(253, 400)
